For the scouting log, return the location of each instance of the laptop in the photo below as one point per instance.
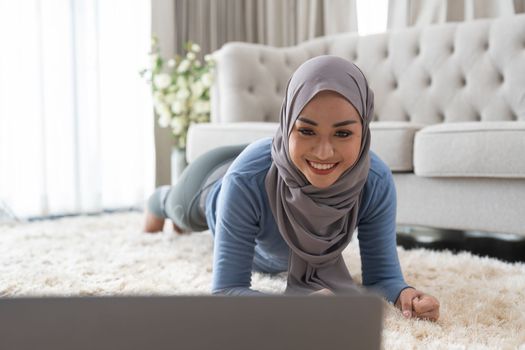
(192, 322)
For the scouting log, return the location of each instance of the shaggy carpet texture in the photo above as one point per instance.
(482, 299)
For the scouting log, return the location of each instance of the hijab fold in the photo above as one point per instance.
(317, 224)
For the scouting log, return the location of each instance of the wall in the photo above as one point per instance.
(163, 25)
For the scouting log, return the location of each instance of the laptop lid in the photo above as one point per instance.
(192, 322)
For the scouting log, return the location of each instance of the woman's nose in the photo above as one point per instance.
(324, 150)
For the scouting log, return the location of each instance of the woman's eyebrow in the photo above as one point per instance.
(346, 122)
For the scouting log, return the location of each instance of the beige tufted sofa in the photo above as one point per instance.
(449, 114)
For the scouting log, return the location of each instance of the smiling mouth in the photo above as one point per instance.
(322, 168)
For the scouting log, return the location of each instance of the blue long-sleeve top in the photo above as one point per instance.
(246, 236)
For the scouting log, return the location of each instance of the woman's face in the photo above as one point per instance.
(326, 138)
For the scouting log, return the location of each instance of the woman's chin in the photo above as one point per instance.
(321, 184)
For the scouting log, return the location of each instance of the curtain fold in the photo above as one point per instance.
(405, 13)
(76, 126)
(211, 23)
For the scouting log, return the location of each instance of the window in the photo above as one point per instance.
(76, 124)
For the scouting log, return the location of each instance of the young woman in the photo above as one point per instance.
(292, 203)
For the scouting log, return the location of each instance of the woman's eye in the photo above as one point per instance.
(343, 133)
(306, 131)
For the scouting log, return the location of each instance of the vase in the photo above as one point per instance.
(178, 163)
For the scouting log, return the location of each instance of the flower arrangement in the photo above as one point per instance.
(181, 89)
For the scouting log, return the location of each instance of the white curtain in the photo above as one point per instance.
(76, 124)
(212, 23)
(404, 13)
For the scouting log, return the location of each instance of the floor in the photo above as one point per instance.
(505, 247)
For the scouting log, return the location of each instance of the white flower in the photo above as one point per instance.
(201, 107)
(206, 79)
(178, 107)
(171, 63)
(198, 64)
(164, 114)
(165, 118)
(162, 108)
(182, 82)
(169, 98)
(177, 125)
(164, 121)
(158, 97)
(183, 94)
(191, 56)
(162, 81)
(183, 66)
(195, 48)
(208, 58)
(197, 88)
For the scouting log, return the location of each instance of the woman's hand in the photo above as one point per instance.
(323, 291)
(414, 303)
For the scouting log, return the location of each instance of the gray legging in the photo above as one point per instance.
(184, 202)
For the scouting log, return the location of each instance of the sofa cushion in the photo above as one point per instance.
(471, 149)
(206, 136)
(393, 142)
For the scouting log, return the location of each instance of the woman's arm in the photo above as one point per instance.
(377, 240)
(379, 259)
(236, 227)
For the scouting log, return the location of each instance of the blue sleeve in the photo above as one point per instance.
(377, 242)
(237, 224)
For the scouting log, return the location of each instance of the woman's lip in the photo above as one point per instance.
(322, 172)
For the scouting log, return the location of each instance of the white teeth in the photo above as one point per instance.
(321, 166)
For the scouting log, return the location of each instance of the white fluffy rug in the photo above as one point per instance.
(482, 299)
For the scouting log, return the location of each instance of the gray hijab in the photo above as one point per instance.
(317, 224)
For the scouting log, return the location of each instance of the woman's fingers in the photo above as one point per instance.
(426, 307)
(406, 297)
(414, 303)
(431, 316)
(423, 304)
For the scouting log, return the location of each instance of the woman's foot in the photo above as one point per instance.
(153, 223)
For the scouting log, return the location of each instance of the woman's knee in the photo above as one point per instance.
(156, 201)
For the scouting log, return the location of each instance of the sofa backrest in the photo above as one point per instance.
(468, 71)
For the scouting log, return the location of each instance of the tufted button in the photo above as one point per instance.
(408, 117)
(429, 81)
(441, 116)
(266, 118)
(354, 56)
(250, 89)
(463, 81)
(394, 84)
(486, 45)
(451, 49)
(261, 60)
(386, 53)
(513, 116)
(376, 117)
(287, 61)
(477, 117)
(501, 78)
(417, 51)
(278, 89)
